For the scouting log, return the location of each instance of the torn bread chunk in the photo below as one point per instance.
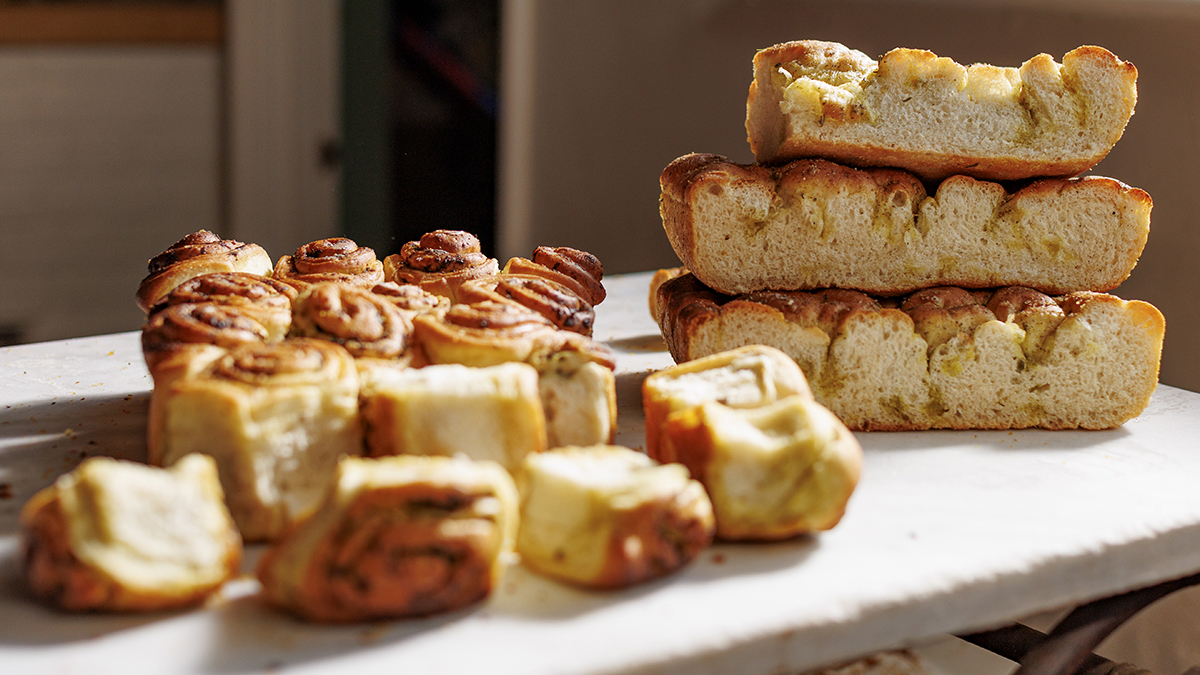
(609, 517)
(396, 537)
(115, 535)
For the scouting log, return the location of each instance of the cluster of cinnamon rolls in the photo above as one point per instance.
(384, 425)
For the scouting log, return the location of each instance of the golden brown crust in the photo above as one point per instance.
(198, 253)
(439, 262)
(176, 328)
(265, 298)
(578, 270)
(944, 358)
(412, 300)
(562, 306)
(334, 259)
(366, 324)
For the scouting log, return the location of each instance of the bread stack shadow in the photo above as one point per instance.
(914, 233)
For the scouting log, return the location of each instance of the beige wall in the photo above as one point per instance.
(611, 92)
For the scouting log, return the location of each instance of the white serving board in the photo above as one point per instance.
(947, 531)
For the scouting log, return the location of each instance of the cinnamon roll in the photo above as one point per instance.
(562, 306)
(578, 270)
(198, 253)
(609, 517)
(366, 324)
(173, 333)
(490, 332)
(275, 416)
(440, 262)
(333, 259)
(491, 413)
(396, 537)
(412, 301)
(267, 300)
(115, 535)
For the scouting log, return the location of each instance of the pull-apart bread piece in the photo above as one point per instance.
(334, 259)
(492, 413)
(275, 416)
(816, 224)
(775, 463)
(934, 117)
(266, 300)
(198, 253)
(120, 536)
(609, 517)
(944, 357)
(439, 262)
(396, 537)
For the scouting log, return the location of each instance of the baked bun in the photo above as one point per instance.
(439, 262)
(267, 300)
(746, 377)
(562, 306)
(334, 259)
(366, 324)
(579, 399)
(275, 416)
(774, 471)
(491, 413)
(578, 270)
(412, 301)
(198, 253)
(944, 358)
(396, 537)
(816, 224)
(821, 99)
(171, 335)
(114, 535)
(609, 517)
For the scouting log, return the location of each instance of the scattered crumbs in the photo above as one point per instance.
(53, 402)
(92, 442)
(718, 558)
(128, 397)
(110, 353)
(6, 491)
(69, 433)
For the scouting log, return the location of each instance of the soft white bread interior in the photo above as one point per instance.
(608, 516)
(491, 413)
(940, 358)
(117, 535)
(930, 115)
(816, 224)
(396, 537)
(579, 399)
(774, 471)
(748, 376)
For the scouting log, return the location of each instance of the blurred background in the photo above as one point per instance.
(126, 124)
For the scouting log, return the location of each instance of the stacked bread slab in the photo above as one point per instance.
(914, 234)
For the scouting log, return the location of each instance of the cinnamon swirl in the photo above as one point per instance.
(439, 262)
(411, 300)
(562, 306)
(333, 259)
(578, 270)
(396, 537)
(609, 517)
(366, 324)
(275, 416)
(115, 535)
(268, 300)
(198, 253)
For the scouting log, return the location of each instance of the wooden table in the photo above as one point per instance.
(947, 532)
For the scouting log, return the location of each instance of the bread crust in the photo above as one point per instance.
(812, 98)
(1083, 360)
(816, 224)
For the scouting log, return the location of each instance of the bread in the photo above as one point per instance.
(609, 517)
(396, 537)
(774, 471)
(942, 358)
(491, 413)
(275, 416)
(578, 270)
(934, 117)
(195, 254)
(411, 300)
(366, 324)
(562, 306)
(115, 535)
(749, 376)
(816, 224)
(334, 259)
(439, 262)
(579, 400)
(171, 335)
(264, 299)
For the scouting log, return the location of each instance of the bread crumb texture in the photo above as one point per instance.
(943, 357)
